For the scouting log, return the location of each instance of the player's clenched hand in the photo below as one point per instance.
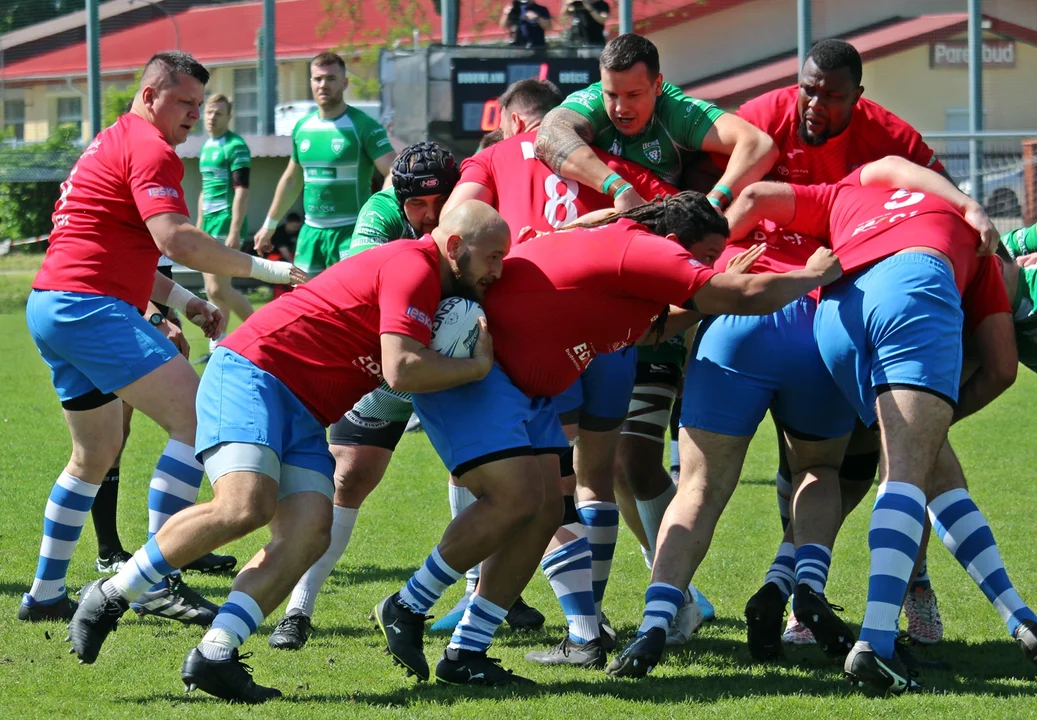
(1026, 260)
(744, 261)
(483, 350)
(989, 237)
(825, 263)
(233, 241)
(262, 240)
(627, 200)
(206, 316)
(176, 336)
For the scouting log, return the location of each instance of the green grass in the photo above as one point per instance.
(343, 671)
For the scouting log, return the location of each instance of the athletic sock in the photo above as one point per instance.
(812, 563)
(104, 512)
(568, 569)
(477, 627)
(921, 579)
(63, 520)
(601, 522)
(964, 531)
(893, 537)
(460, 498)
(784, 487)
(304, 596)
(651, 513)
(662, 602)
(428, 583)
(174, 484)
(237, 619)
(782, 571)
(145, 570)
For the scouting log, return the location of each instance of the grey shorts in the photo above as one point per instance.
(231, 457)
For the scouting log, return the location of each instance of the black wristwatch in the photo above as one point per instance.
(156, 318)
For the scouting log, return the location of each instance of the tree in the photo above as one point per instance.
(116, 101)
(30, 178)
(15, 14)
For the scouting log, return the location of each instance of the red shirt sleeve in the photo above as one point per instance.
(660, 270)
(408, 294)
(813, 210)
(154, 176)
(646, 183)
(985, 295)
(479, 169)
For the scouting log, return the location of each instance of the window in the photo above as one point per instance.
(70, 112)
(14, 118)
(246, 101)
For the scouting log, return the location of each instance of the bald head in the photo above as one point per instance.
(474, 239)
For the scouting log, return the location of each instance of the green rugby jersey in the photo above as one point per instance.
(337, 159)
(381, 220)
(677, 129)
(218, 158)
(1022, 241)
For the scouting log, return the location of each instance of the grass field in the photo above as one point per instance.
(343, 671)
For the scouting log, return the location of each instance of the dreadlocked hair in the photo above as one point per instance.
(689, 215)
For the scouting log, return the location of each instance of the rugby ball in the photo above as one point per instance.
(455, 327)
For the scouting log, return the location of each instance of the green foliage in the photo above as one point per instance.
(15, 14)
(117, 100)
(34, 174)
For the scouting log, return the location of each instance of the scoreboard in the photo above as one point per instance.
(476, 83)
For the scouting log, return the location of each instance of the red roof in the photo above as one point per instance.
(227, 33)
(732, 90)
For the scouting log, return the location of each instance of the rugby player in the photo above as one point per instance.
(909, 254)
(825, 128)
(363, 440)
(335, 150)
(224, 162)
(563, 298)
(120, 209)
(266, 397)
(529, 195)
(632, 113)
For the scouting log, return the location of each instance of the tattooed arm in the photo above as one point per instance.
(563, 144)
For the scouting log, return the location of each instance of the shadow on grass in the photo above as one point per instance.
(757, 481)
(15, 589)
(364, 574)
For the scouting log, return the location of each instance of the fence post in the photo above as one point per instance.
(976, 98)
(93, 65)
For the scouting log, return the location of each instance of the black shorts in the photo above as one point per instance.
(353, 429)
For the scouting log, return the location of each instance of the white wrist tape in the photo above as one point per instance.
(179, 297)
(270, 271)
(269, 223)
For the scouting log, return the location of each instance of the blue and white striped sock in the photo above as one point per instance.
(147, 568)
(480, 621)
(67, 510)
(174, 484)
(894, 534)
(812, 563)
(237, 619)
(965, 532)
(601, 524)
(662, 602)
(568, 569)
(782, 571)
(428, 583)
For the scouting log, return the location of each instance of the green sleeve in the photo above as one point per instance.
(589, 103)
(1022, 241)
(239, 155)
(374, 138)
(687, 119)
(380, 221)
(1029, 277)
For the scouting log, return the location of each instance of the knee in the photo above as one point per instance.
(354, 484)
(244, 518)
(317, 540)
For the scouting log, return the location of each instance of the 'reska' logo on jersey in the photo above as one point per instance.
(420, 315)
(163, 192)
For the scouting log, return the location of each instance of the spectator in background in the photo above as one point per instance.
(527, 21)
(587, 21)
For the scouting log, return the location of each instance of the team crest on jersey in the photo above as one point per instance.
(653, 151)
(304, 146)
(337, 145)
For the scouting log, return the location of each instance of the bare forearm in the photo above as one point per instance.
(979, 391)
(760, 201)
(771, 292)
(678, 320)
(750, 161)
(288, 188)
(428, 371)
(201, 214)
(160, 290)
(238, 210)
(196, 250)
(562, 144)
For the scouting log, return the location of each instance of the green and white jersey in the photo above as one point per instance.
(381, 220)
(1021, 242)
(676, 130)
(1024, 314)
(218, 158)
(337, 158)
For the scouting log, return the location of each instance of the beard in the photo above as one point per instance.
(465, 285)
(814, 140)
